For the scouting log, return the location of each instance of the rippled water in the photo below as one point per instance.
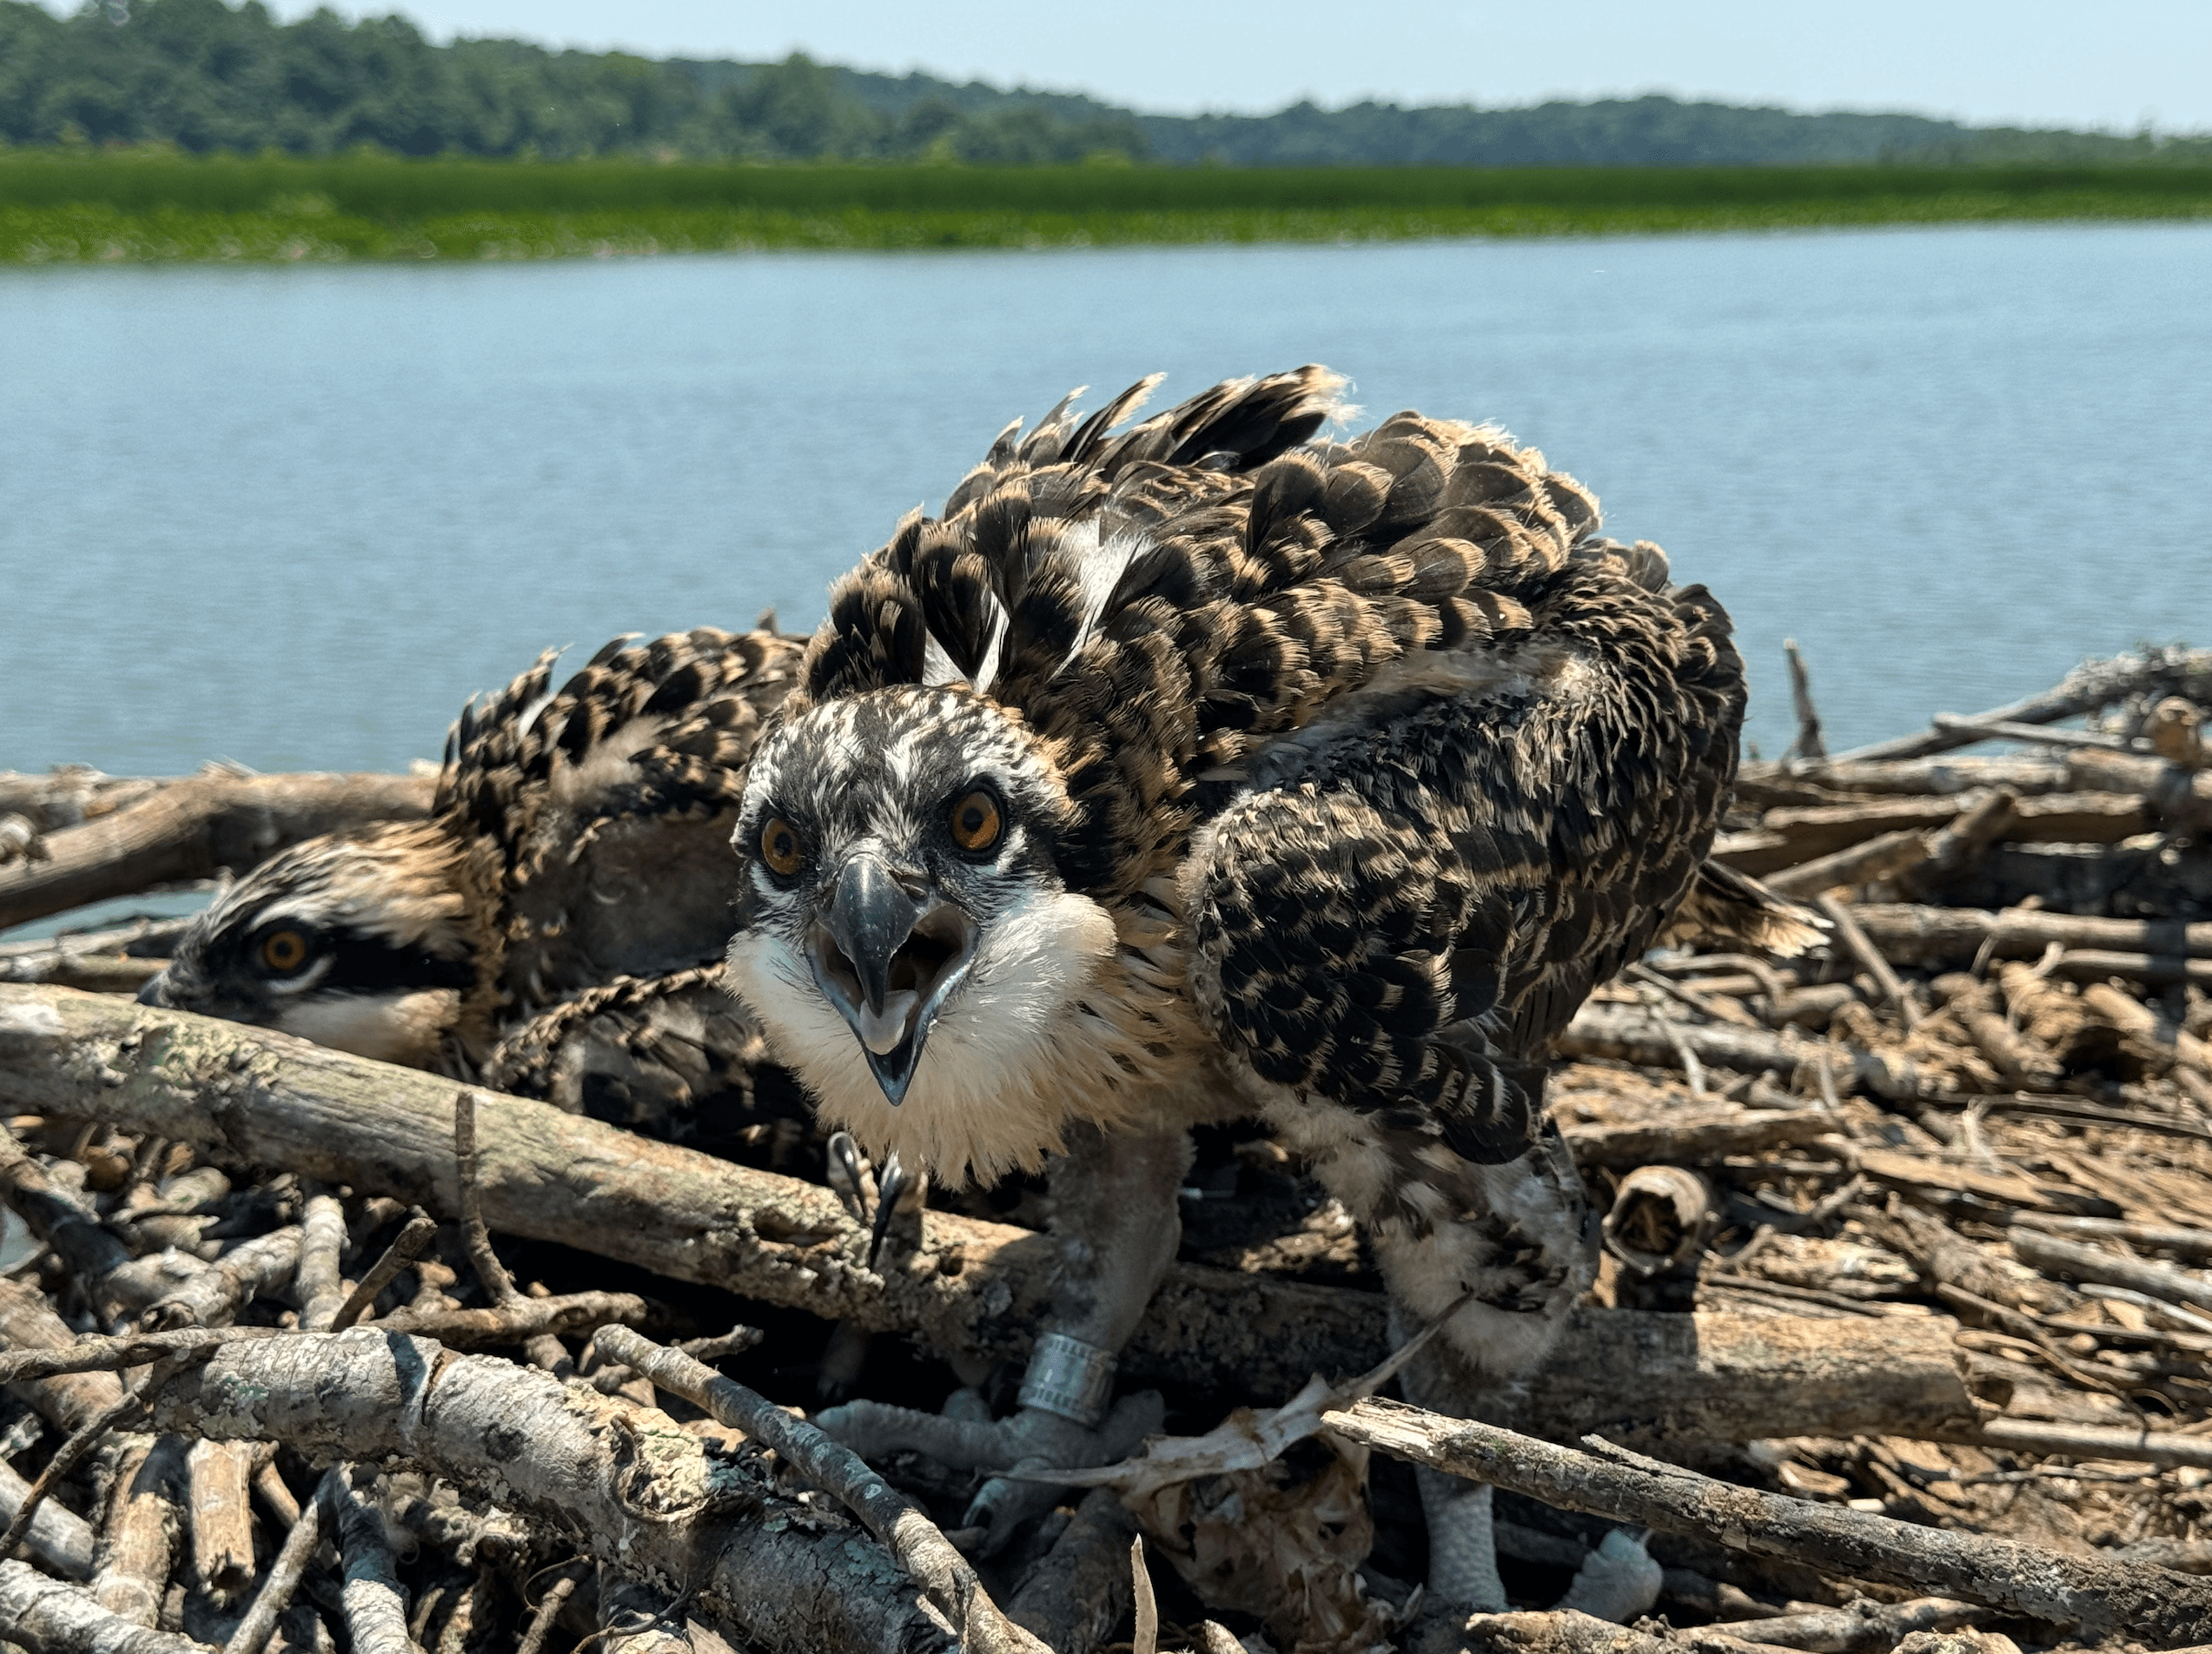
(294, 516)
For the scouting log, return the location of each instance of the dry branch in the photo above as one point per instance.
(246, 1096)
(194, 828)
(58, 1537)
(910, 1536)
(284, 1574)
(218, 1474)
(376, 1611)
(2099, 1597)
(626, 1483)
(73, 1397)
(48, 1617)
(1687, 1137)
(1929, 936)
(138, 1544)
(2089, 687)
(2070, 1260)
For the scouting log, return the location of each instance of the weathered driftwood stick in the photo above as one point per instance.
(1910, 935)
(215, 1296)
(219, 1474)
(285, 1573)
(2191, 1243)
(81, 1443)
(1871, 959)
(376, 1607)
(243, 1095)
(106, 1354)
(405, 1247)
(2132, 1016)
(1692, 1139)
(57, 1536)
(909, 1535)
(2163, 1447)
(1808, 743)
(2098, 1596)
(568, 1458)
(81, 968)
(522, 1320)
(249, 1097)
(194, 828)
(2002, 729)
(1889, 857)
(2158, 970)
(1863, 1628)
(138, 1544)
(475, 1239)
(1706, 1377)
(1564, 1632)
(2089, 687)
(1074, 1598)
(1630, 1034)
(48, 1617)
(2070, 1260)
(322, 1246)
(87, 1246)
(74, 1396)
(1790, 834)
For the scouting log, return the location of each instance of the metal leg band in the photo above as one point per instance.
(1071, 1378)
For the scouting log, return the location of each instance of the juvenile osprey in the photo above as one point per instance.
(1207, 770)
(523, 935)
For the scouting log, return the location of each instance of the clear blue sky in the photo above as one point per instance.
(2083, 62)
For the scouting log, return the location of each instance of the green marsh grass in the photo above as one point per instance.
(133, 206)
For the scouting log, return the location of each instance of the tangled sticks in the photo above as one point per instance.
(1933, 1205)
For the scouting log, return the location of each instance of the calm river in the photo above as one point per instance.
(294, 517)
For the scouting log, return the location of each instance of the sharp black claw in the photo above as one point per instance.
(888, 1187)
(846, 1175)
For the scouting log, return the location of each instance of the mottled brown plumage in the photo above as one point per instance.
(510, 938)
(1332, 775)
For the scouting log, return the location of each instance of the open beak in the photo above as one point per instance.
(887, 955)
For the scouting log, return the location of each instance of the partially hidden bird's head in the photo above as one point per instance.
(910, 936)
(356, 940)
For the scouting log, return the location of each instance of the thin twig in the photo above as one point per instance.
(548, 1609)
(402, 1252)
(284, 1574)
(475, 1239)
(71, 1452)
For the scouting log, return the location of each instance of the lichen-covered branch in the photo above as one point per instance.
(625, 1483)
(247, 1097)
(2097, 1595)
(48, 1617)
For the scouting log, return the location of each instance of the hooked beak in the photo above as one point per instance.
(886, 954)
(155, 989)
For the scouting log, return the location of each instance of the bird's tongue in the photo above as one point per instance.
(881, 1031)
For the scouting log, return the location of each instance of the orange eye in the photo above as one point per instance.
(284, 951)
(779, 847)
(974, 821)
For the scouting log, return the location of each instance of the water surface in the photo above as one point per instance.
(294, 517)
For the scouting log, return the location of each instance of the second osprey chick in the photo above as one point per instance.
(519, 935)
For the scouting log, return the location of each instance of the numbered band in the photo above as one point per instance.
(1071, 1378)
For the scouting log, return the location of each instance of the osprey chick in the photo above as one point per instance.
(508, 938)
(1209, 769)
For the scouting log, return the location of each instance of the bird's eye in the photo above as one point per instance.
(974, 821)
(780, 847)
(285, 951)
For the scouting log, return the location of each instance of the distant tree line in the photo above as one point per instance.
(202, 74)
